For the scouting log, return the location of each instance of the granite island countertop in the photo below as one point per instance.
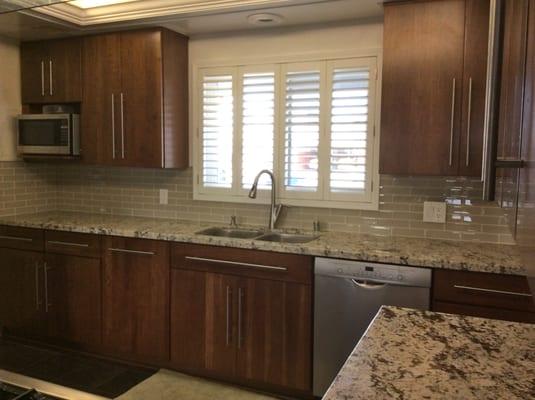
(408, 354)
(430, 253)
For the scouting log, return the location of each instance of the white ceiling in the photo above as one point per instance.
(209, 18)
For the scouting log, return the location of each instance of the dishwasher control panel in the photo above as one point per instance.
(369, 271)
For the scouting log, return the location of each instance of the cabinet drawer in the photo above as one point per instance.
(15, 237)
(72, 244)
(484, 312)
(482, 289)
(249, 263)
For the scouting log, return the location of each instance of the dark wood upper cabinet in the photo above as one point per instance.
(434, 74)
(136, 298)
(135, 103)
(51, 71)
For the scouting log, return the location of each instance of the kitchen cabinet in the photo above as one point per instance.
(483, 295)
(434, 84)
(242, 315)
(21, 285)
(74, 309)
(136, 298)
(135, 103)
(51, 71)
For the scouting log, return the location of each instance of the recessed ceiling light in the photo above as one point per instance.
(97, 3)
(265, 19)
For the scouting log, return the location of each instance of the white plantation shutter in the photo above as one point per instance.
(310, 123)
(217, 130)
(302, 130)
(349, 129)
(258, 126)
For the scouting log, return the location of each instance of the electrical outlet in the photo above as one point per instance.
(435, 211)
(164, 196)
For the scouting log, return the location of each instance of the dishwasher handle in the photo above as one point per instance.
(368, 285)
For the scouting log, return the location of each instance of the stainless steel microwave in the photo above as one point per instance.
(48, 134)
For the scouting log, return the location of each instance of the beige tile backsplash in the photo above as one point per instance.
(27, 188)
(127, 191)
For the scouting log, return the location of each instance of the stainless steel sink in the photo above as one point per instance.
(287, 238)
(232, 233)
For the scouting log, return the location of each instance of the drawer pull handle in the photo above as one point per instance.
(235, 263)
(59, 243)
(476, 289)
(143, 253)
(20, 239)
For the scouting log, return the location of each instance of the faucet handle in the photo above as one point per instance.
(316, 225)
(233, 221)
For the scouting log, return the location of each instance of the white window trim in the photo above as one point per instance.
(218, 195)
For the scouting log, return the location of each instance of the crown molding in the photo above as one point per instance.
(155, 8)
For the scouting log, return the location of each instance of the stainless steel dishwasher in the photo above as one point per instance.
(348, 294)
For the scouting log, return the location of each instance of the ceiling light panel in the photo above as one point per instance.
(86, 4)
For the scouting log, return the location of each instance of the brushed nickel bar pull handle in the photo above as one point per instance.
(452, 128)
(59, 243)
(241, 295)
(51, 78)
(469, 127)
(20, 239)
(476, 289)
(113, 123)
(228, 338)
(42, 78)
(37, 302)
(122, 125)
(143, 253)
(235, 263)
(47, 305)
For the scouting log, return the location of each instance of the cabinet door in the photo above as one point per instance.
(136, 298)
(474, 87)
(141, 102)
(203, 328)
(275, 333)
(74, 295)
(21, 293)
(422, 85)
(65, 71)
(101, 65)
(34, 70)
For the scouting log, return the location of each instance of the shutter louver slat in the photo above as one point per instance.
(258, 127)
(217, 131)
(349, 129)
(302, 121)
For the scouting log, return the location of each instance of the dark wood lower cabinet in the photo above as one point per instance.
(202, 332)
(21, 276)
(74, 310)
(275, 333)
(484, 312)
(250, 330)
(136, 298)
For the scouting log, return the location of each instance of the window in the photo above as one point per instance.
(312, 124)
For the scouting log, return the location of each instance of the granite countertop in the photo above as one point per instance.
(408, 354)
(430, 253)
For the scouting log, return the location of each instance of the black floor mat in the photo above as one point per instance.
(84, 373)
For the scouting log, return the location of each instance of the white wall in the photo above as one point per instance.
(10, 101)
(350, 38)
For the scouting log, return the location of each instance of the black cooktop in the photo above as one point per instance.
(10, 392)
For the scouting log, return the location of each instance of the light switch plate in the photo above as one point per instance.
(435, 211)
(164, 196)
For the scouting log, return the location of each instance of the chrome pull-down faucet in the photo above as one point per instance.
(275, 208)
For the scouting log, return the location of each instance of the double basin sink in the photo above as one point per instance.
(255, 234)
